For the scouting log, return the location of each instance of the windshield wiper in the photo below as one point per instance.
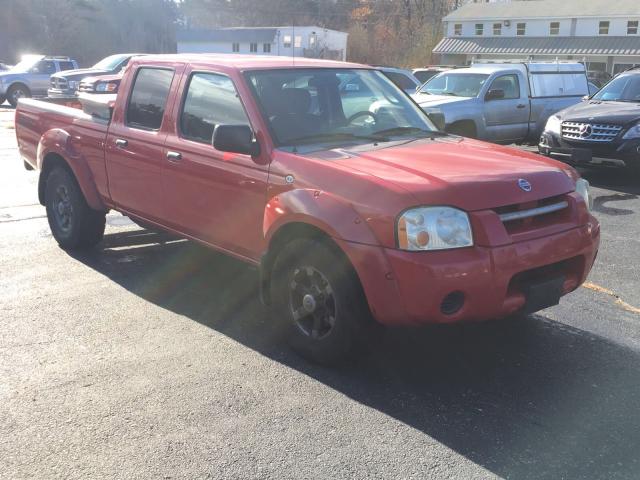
(403, 130)
(328, 137)
(449, 93)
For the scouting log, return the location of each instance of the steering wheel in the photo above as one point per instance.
(364, 113)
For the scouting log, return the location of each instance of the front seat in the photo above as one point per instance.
(294, 120)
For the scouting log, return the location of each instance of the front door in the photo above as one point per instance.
(135, 143)
(39, 77)
(507, 118)
(214, 196)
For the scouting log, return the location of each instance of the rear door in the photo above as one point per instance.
(214, 196)
(135, 143)
(507, 118)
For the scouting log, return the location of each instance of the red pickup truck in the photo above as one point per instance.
(351, 213)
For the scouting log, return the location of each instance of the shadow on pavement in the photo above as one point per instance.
(616, 179)
(533, 399)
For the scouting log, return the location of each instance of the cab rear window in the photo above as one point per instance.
(149, 98)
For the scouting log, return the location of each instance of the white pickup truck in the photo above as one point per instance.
(502, 102)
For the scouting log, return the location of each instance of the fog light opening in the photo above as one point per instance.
(452, 303)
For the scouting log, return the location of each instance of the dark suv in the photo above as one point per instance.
(604, 129)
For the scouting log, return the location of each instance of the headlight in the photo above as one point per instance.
(633, 132)
(554, 125)
(582, 189)
(106, 87)
(434, 228)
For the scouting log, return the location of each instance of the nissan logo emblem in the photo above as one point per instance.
(524, 185)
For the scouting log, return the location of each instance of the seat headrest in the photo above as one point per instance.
(296, 100)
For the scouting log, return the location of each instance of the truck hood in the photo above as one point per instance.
(464, 173)
(619, 113)
(425, 100)
(80, 73)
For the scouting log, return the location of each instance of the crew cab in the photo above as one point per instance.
(503, 102)
(602, 130)
(349, 217)
(30, 77)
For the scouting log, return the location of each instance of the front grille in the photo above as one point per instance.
(86, 87)
(524, 217)
(59, 83)
(590, 132)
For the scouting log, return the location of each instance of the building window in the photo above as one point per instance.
(632, 27)
(235, 47)
(266, 47)
(298, 42)
(457, 29)
(253, 47)
(479, 28)
(286, 40)
(521, 29)
(497, 29)
(554, 28)
(313, 41)
(604, 28)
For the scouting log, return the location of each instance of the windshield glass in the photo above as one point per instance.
(455, 84)
(625, 88)
(109, 63)
(336, 106)
(27, 63)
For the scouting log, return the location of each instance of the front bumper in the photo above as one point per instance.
(411, 287)
(616, 153)
(61, 93)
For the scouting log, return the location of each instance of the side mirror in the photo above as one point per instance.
(236, 139)
(496, 94)
(438, 120)
(35, 70)
(585, 98)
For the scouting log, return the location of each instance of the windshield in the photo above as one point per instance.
(336, 106)
(27, 63)
(455, 84)
(625, 88)
(109, 63)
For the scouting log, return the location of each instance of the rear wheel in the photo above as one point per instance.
(2, 99)
(319, 299)
(73, 223)
(17, 92)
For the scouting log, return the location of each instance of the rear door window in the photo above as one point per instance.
(211, 100)
(46, 67)
(66, 66)
(149, 98)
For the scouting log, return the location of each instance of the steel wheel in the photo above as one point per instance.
(312, 302)
(63, 209)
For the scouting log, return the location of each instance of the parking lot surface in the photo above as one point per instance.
(151, 357)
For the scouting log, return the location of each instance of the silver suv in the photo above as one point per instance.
(30, 77)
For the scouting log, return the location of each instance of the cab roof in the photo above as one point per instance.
(247, 62)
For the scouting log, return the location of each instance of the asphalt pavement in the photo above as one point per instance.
(151, 357)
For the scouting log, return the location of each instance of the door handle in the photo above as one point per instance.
(121, 143)
(174, 156)
(521, 105)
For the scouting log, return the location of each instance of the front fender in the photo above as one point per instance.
(331, 214)
(58, 142)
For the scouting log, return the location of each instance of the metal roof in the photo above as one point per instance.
(546, 9)
(257, 35)
(540, 45)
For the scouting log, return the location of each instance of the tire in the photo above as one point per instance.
(27, 165)
(73, 223)
(2, 99)
(319, 302)
(16, 92)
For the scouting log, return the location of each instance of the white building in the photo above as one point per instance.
(303, 41)
(605, 34)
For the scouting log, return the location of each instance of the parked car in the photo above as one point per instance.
(604, 129)
(404, 79)
(593, 88)
(4, 67)
(66, 83)
(503, 102)
(107, 84)
(30, 77)
(424, 74)
(347, 222)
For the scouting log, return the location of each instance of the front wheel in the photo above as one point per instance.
(73, 223)
(2, 99)
(318, 297)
